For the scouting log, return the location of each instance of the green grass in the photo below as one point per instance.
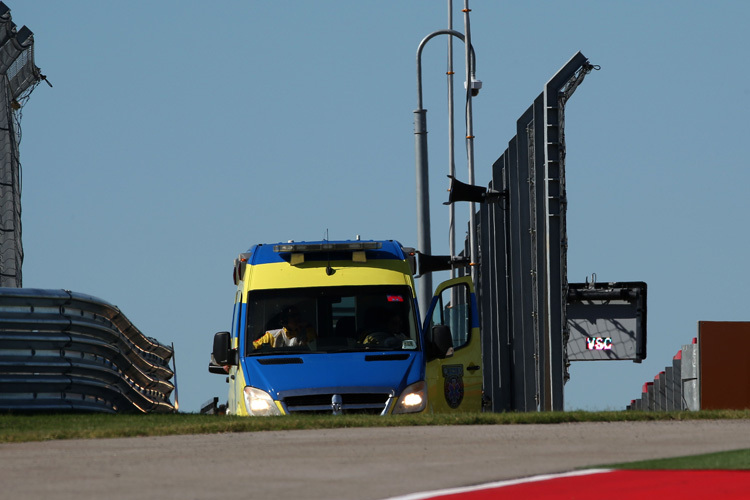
(727, 460)
(15, 427)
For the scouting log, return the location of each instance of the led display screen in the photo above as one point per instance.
(606, 321)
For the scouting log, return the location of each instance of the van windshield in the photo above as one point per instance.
(331, 319)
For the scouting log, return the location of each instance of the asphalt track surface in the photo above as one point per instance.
(371, 463)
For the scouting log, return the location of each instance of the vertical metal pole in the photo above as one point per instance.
(174, 372)
(11, 246)
(451, 140)
(424, 287)
(470, 140)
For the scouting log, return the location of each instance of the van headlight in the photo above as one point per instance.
(413, 399)
(259, 403)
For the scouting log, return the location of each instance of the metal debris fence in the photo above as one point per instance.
(522, 249)
(61, 350)
(18, 77)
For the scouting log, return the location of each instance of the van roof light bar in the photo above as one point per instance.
(351, 246)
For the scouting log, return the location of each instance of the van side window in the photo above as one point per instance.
(453, 310)
(236, 315)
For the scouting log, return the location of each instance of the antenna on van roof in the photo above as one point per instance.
(329, 270)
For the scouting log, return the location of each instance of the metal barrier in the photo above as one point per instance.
(689, 377)
(522, 265)
(61, 350)
(676, 387)
(711, 373)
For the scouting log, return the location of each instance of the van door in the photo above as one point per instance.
(454, 383)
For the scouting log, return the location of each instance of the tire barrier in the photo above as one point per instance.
(61, 350)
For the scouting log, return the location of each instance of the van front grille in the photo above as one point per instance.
(367, 403)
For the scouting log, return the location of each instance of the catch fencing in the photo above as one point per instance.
(61, 350)
(527, 307)
(521, 275)
(18, 77)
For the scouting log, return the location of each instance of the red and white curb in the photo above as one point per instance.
(612, 484)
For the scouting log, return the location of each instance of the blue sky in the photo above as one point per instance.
(179, 133)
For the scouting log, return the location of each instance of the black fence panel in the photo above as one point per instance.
(522, 280)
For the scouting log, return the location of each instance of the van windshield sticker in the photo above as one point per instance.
(395, 298)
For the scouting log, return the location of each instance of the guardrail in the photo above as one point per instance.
(61, 350)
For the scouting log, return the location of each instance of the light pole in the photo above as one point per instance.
(424, 287)
(451, 141)
(471, 90)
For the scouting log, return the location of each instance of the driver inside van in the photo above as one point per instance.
(386, 328)
(294, 331)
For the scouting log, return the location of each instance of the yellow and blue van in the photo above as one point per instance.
(333, 327)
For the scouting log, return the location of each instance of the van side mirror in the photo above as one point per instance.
(222, 354)
(441, 342)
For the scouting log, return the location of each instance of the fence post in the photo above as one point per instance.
(690, 376)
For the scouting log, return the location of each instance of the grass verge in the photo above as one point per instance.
(16, 427)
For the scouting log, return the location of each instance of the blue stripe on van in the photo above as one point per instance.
(264, 254)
